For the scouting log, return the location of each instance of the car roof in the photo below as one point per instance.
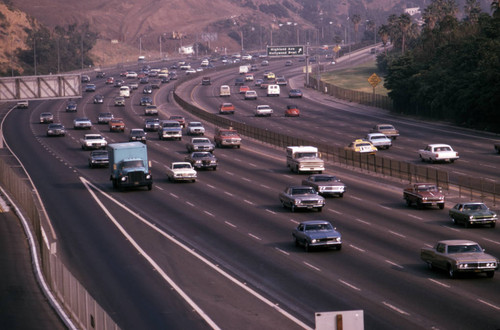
(314, 222)
(458, 241)
(439, 145)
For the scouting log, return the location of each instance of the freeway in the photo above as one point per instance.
(340, 123)
(219, 252)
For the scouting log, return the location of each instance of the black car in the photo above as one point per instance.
(137, 134)
(98, 158)
(98, 99)
(165, 80)
(202, 160)
(239, 81)
(146, 100)
(71, 106)
(147, 89)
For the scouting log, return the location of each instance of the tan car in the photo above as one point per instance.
(386, 129)
(459, 256)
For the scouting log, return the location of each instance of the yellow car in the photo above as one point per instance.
(362, 146)
(271, 75)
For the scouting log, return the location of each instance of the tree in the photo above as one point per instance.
(404, 23)
(356, 19)
(383, 32)
(472, 9)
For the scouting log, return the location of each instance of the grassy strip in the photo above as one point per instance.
(356, 78)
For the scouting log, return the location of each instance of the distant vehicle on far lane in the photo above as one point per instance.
(438, 153)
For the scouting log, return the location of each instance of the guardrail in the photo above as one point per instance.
(81, 307)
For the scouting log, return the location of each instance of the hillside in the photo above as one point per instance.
(127, 27)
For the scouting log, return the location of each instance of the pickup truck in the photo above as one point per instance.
(459, 256)
(93, 141)
(227, 138)
(181, 171)
(423, 194)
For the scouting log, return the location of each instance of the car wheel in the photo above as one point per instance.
(292, 207)
(441, 206)
(466, 224)
(297, 243)
(422, 158)
(341, 195)
(150, 186)
(453, 221)
(451, 272)
(493, 224)
(429, 265)
(339, 247)
(408, 202)
(283, 204)
(320, 209)
(490, 274)
(307, 248)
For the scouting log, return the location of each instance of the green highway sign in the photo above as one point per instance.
(285, 50)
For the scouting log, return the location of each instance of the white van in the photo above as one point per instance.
(125, 91)
(225, 90)
(273, 90)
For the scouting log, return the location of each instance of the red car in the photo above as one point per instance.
(292, 111)
(226, 108)
(110, 81)
(180, 119)
(243, 89)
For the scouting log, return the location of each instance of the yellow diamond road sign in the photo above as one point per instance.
(374, 80)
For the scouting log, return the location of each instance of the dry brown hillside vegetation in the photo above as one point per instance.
(13, 25)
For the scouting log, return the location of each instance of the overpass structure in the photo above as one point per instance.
(40, 87)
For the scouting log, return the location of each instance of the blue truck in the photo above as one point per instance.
(129, 165)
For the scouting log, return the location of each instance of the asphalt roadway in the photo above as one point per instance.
(22, 302)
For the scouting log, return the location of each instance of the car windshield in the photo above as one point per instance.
(200, 154)
(387, 127)
(132, 163)
(302, 191)
(475, 207)
(324, 178)
(200, 141)
(464, 248)
(99, 153)
(378, 137)
(171, 125)
(427, 188)
(229, 134)
(319, 227)
(182, 166)
(195, 124)
(306, 155)
(93, 137)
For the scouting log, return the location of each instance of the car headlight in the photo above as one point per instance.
(338, 239)
(198, 162)
(148, 177)
(314, 241)
(471, 217)
(124, 178)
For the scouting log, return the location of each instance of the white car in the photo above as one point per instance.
(438, 153)
(250, 95)
(131, 74)
(181, 171)
(379, 140)
(93, 141)
(195, 128)
(263, 110)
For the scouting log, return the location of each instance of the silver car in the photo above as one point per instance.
(301, 197)
(317, 233)
(82, 123)
(200, 144)
(325, 185)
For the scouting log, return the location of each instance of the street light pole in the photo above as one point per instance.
(34, 53)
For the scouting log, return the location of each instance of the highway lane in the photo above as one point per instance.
(340, 123)
(262, 175)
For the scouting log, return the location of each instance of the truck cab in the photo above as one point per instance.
(304, 159)
(129, 165)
